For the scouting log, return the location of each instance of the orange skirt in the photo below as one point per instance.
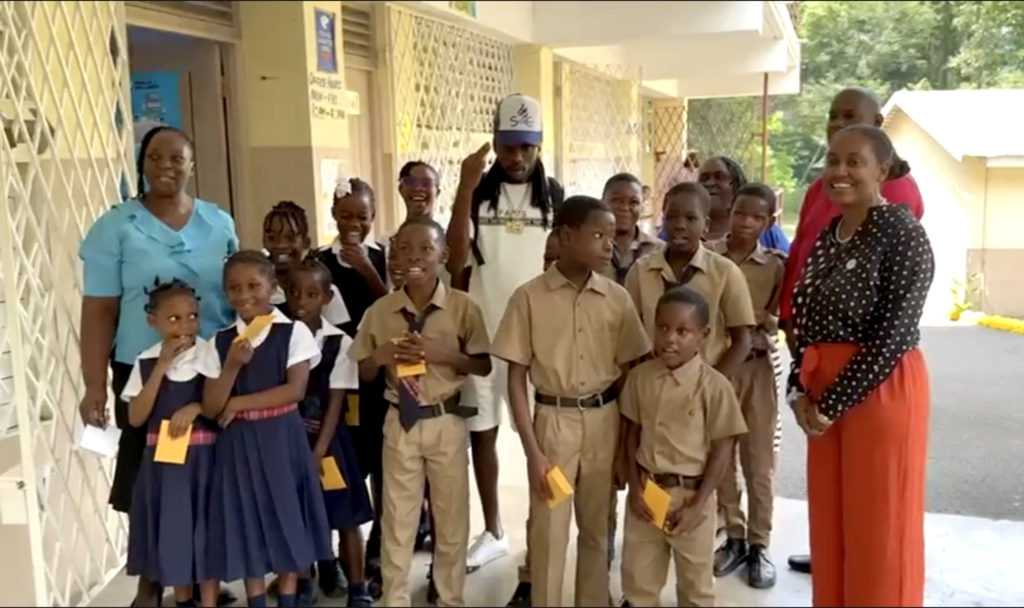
(866, 486)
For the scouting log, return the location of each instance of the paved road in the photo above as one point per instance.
(977, 426)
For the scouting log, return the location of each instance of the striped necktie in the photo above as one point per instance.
(410, 398)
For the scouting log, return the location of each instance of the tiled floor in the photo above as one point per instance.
(971, 561)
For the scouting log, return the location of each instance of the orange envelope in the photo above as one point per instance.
(352, 409)
(254, 328)
(411, 369)
(171, 450)
(330, 477)
(561, 489)
(657, 500)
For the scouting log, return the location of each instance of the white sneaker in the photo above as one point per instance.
(484, 550)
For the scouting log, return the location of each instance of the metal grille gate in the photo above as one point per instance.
(64, 157)
(446, 81)
(599, 118)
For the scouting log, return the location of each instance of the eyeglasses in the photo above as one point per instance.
(411, 182)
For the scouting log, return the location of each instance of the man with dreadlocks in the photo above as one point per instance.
(499, 226)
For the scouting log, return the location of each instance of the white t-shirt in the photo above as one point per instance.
(511, 242)
(345, 373)
(301, 347)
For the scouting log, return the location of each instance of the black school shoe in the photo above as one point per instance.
(331, 579)
(224, 596)
(522, 596)
(760, 569)
(730, 556)
(800, 563)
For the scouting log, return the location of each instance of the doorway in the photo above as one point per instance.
(180, 80)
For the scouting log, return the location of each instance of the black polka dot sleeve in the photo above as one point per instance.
(870, 291)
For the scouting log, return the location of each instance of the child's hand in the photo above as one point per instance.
(170, 349)
(228, 413)
(183, 418)
(686, 518)
(428, 350)
(240, 353)
(318, 458)
(387, 354)
(640, 508)
(354, 254)
(538, 467)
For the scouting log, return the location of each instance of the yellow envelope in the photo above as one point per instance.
(171, 450)
(411, 369)
(331, 477)
(561, 489)
(254, 328)
(352, 409)
(657, 500)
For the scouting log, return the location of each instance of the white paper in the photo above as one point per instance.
(101, 441)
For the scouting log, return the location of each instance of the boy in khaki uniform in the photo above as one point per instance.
(683, 420)
(752, 212)
(685, 261)
(425, 429)
(574, 332)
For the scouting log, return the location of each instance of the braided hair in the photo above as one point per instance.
(254, 258)
(163, 291)
(313, 265)
(291, 215)
(140, 161)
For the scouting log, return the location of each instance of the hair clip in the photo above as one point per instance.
(343, 187)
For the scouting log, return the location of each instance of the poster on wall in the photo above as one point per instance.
(326, 55)
(156, 101)
(466, 7)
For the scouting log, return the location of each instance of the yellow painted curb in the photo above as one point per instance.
(1007, 324)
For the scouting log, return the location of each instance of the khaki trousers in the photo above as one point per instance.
(759, 400)
(434, 450)
(646, 551)
(583, 444)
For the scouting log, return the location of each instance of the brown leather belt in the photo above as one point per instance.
(585, 402)
(671, 480)
(450, 405)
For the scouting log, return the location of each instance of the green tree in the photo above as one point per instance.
(992, 50)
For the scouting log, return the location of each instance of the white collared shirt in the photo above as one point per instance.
(182, 369)
(301, 347)
(345, 374)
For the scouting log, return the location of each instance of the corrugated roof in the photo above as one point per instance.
(985, 123)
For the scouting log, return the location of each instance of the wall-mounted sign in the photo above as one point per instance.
(326, 53)
(327, 96)
(156, 101)
(466, 7)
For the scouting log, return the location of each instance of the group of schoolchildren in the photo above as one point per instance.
(632, 362)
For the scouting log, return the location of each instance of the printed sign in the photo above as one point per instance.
(156, 101)
(326, 54)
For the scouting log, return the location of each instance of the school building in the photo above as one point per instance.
(279, 98)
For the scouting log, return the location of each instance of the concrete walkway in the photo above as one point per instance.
(971, 561)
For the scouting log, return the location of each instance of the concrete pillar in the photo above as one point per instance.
(535, 76)
(294, 117)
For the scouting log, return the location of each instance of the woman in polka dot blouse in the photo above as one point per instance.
(859, 386)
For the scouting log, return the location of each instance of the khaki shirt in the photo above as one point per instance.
(457, 324)
(680, 413)
(641, 245)
(763, 269)
(716, 278)
(574, 341)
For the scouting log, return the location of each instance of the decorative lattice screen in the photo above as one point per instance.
(64, 158)
(447, 81)
(669, 148)
(600, 136)
(729, 126)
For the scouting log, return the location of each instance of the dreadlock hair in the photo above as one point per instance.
(736, 174)
(140, 161)
(882, 148)
(317, 268)
(490, 189)
(291, 215)
(758, 190)
(688, 297)
(358, 186)
(163, 291)
(254, 258)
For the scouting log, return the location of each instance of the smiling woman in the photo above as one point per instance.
(161, 234)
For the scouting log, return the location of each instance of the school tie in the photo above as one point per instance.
(688, 273)
(409, 396)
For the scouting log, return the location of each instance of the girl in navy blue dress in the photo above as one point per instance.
(266, 507)
(348, 508)
(167, 521)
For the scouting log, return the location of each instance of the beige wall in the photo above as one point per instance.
(1000, 256)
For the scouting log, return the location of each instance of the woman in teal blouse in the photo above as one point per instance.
(160, 235)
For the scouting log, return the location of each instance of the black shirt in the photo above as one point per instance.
(869, 291)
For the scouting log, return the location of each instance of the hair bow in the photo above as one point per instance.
(343, 187)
